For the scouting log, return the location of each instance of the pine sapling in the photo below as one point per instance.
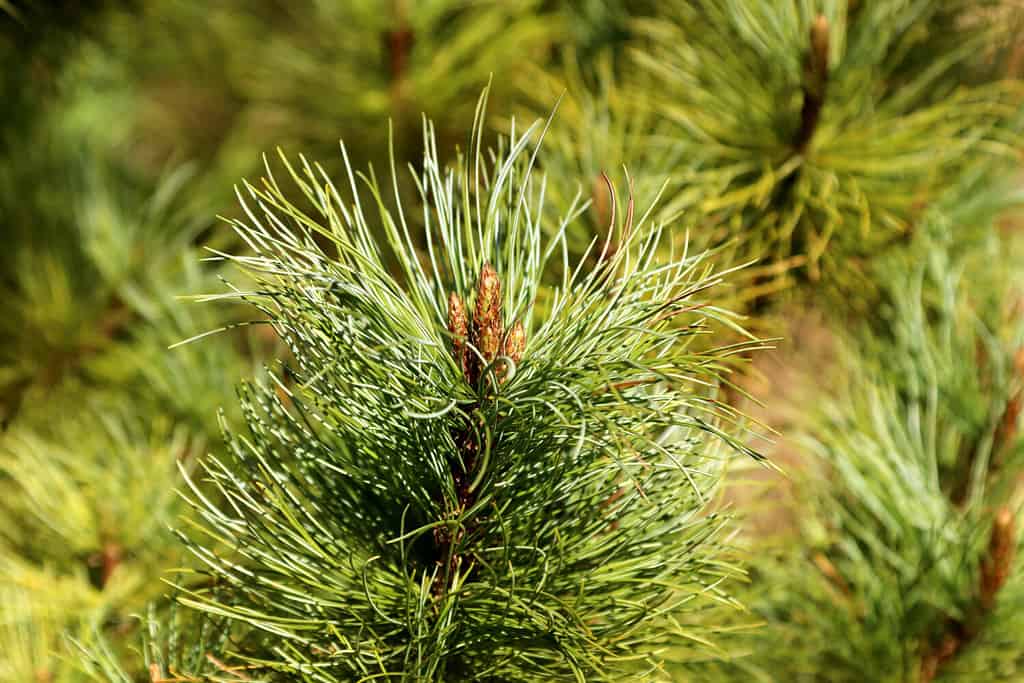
(492, 464)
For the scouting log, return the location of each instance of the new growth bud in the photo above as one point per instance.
(458, 326)
(995, 567)
(487, 325)
(512, 348)
(819, 47)
(515, 342)
(486, 332)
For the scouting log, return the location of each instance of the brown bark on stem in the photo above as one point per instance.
(815, 83)
(995, 570)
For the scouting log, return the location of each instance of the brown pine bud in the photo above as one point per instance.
(515, 342)
(1007, 432)
(995, 566)
(512, 348)
(458, 326)
(487, 327)
(819, 46)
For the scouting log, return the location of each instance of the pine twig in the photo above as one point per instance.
(398, 44)
(995, 570)
(815, 83)
(1007, 431)
(476, 345)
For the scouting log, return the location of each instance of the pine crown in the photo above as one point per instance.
(430, 497)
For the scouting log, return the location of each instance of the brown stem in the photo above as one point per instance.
(1007, 432)
(815, 83)
(995, 566)
(476, 344)
(398, 44)
(112, 555)
(105, 563)
(826, 567)
(995, 570)
(235, 671)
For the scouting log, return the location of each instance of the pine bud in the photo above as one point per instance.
(458, 326)
(512, 348)
(515, 342)
(487, 325)
(819, 46)
(995, 567)
(1007, 432)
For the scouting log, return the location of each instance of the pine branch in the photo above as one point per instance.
(958, 633)
(745, 85)
(518, 493)
(904, 561)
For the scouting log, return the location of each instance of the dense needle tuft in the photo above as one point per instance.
(393, 519)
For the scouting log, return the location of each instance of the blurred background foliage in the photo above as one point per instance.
(861, 157)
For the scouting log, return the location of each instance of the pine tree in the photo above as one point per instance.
(465, 474)
(96, 412)
(314, 72)
(904, 560)
(816, 134)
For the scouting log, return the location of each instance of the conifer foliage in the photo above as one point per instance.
(465, 475)
(905, 563)
(820, 132)
(498, 435)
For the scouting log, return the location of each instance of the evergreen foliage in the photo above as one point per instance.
(806, 138)
(96, 411)
(821, 131)
(498, 435)
(432, 476)
(904, 564)
(315, 72)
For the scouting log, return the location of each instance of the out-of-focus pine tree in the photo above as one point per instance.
(98, 415)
